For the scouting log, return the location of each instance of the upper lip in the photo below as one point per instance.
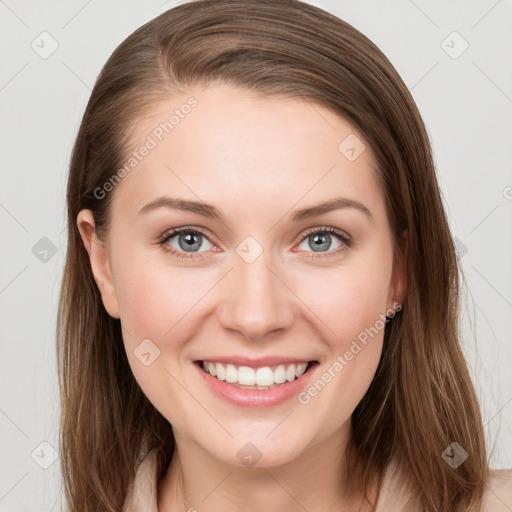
(256, 362)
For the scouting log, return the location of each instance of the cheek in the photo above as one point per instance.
(145, 303)
(350, 312)
(153, 297)
(157, 304)
(349, 303)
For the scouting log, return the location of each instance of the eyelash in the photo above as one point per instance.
(346, 240)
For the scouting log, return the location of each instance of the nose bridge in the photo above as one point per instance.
(257, 302)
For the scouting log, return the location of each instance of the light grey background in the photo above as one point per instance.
(466, 103)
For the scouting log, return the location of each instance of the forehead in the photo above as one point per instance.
(232, 147)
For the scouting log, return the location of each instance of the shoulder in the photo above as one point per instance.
(498, 495)
(143, 491)
(397, 490)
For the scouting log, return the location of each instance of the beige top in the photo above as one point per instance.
(395, 496)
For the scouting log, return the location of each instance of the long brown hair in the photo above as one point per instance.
(421, 398)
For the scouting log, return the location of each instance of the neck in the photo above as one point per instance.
(313, 481)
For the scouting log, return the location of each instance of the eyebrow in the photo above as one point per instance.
(212, 212)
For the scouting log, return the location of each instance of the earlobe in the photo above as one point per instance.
(100, 262)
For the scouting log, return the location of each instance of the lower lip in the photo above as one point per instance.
(253, 397)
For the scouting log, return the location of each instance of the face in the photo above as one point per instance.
(257, 284)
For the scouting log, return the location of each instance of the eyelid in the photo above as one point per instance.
(324, 229)
(176, 231)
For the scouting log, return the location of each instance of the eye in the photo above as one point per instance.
(186, 241)
(181, 241)
(320, 240)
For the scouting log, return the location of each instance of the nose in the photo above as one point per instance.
(257, 300)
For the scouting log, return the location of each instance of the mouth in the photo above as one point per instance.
(260, 378)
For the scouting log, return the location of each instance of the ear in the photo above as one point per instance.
(100, 262)
(398, 284)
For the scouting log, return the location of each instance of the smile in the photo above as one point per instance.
(256, 385)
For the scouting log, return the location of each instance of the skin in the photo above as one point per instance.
(257, 159)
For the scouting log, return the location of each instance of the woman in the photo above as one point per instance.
(259, 304)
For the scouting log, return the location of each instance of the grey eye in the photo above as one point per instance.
(188, 241)
(319, 242)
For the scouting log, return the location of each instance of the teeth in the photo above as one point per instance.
(212, 369)
(263, 377)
